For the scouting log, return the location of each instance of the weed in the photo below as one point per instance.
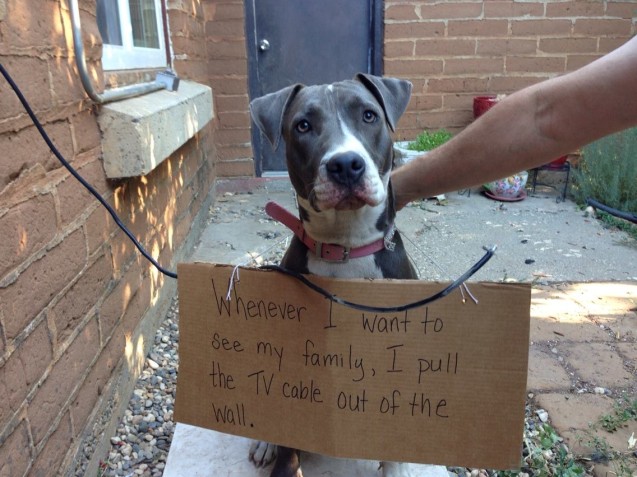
(426, 141)
(624, 410)
(608, 171)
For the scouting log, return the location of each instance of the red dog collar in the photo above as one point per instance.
(328, 251)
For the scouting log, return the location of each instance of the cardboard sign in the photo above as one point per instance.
(441, 384)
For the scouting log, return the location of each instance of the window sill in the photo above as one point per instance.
(139, 133)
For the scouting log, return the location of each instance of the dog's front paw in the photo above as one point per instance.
(396, 469)
(262, 453)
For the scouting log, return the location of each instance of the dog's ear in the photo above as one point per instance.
(267, 112)
(392, 93)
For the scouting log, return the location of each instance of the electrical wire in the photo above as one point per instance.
(75, 174)
(389, 309)
(458, 282)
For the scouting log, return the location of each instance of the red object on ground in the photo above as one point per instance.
(557, 163)
(481, 104)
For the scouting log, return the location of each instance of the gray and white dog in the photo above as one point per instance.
(339, 155)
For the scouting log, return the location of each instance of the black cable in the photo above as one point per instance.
(75, 174)
(388, 309)
(298, 276)
(612, 211)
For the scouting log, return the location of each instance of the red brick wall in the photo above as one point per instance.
(458, 49)
(75, 297)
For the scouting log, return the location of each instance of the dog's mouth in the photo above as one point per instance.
(343, 198)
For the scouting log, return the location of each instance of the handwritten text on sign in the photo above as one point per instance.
(442, 384)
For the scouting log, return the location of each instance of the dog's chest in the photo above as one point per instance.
(363, 267)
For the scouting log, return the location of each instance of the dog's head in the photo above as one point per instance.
(337, 137)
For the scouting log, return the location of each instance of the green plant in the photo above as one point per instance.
(608, 171)
(426, 141)
(624, 410)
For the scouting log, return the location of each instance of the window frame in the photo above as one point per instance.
(127, 56)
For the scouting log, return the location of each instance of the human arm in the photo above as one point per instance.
(529, 128)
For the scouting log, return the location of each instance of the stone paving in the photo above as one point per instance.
(583, 356)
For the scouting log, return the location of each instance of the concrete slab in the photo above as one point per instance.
(197, 452)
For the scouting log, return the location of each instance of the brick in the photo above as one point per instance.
(400, 12)
(229, 11)
(38, 284)
(32, 76)
(231, 153)
(234, 119)
(224, 49)
(117, 302)
(27, 150)
(508, 9)
(13, 387)
(36, 354)
(231, 137)
(574, 62)
(536, 64)
(456, 85)
(506, 46)
(228, 67)
(478, 28)
(602, 26)
(59, 385)
(232, 103)
(52, 454)
(621, 9)
(445, 47)
(397, 31)
(425, 102)
(231, 29)
(86, 132)
(458, 101)
(545, 372)
(30, 27)
(599, 364)
(236, 168)
(396, 49)
(25, 229)
(98, 228)
(473, 65)
(66, 85)
(73, 196)
(445, 119)
(15, 452)
(509, 84)
(568, 45)
(447, 10)
(606, 44)
(413, 67)
(92, 389)
(541, 27)
(575, 9)
(225, 85)
(81, 297)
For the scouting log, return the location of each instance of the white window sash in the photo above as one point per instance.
(128, 56)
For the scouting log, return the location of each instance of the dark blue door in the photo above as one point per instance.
(309, 42)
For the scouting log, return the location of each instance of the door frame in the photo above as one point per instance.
(374, 62)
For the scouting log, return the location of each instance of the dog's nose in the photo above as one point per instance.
(346, 169)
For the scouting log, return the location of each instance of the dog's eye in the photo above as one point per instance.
(369, 116)
(303, 126)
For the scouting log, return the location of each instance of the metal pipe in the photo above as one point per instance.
(108, 95)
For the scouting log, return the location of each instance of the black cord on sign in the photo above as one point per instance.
(75, 174)
(389, 309)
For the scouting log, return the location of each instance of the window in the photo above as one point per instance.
(132, 32)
